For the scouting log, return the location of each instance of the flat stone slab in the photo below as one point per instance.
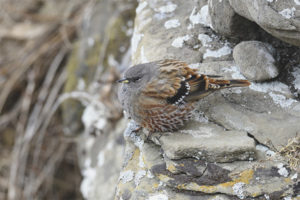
(208, 142)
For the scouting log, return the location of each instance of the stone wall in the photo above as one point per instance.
(242, 143)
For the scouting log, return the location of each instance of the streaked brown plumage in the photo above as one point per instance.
(160, 95)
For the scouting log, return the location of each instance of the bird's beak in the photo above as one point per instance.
(123, 80)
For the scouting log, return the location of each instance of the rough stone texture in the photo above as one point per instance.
(146, 174)
(255, 60)
(279, 18)
(207, 142)
(229, 150)
(221, 16)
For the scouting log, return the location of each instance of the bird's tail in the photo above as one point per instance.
(220, 84)
(203, 85)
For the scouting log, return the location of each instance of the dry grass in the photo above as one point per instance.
(292, 152)
(32, 76)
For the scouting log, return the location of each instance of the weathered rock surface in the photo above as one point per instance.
(207, 142)
(231, 148)
(279, 18)
(255, 60)
(148, 172)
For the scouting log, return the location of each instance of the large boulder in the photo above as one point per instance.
(278, 18)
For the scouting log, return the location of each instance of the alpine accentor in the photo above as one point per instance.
(159, 95)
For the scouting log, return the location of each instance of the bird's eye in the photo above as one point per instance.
(134, 79)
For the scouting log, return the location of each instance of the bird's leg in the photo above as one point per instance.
(154, 136)
(138, 128)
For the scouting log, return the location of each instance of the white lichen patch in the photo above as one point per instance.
(172, 23)
(287, 198)
(135, 40)
(235, 90)
(282, 170)
(268, 87)
(101, 158)
(161, 184)
(195, 17)
(296, 82)
(89, 142)
(200, 17)
(87, 162)
(143, 56)
(269, 1)
(130, 133)
(281, 100)
(143, 23)
(126, 176)
(276, 91)
(109, 145)
(194, 65)
(167, 8)
(238, 190)
(297, 2)
(204, 39)
(295, 176)
(90, 41)
(219, 197)
(89, 116)
(141, 161)
(265, 150)
(89, 175)
(149, 174)
(178, 42)
(199, 116)
(141, 6)
(139, 175)
(234, 71)
(288, 13)
(112, 61)
(94, 116)
(204, 132)
(267, 196)
(159, 197)
(225, 50)
(81, 84)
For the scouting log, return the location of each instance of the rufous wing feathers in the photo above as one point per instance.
(202, 85)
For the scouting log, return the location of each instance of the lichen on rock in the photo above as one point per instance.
(230, 150)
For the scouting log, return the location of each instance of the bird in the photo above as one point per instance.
(160, 95)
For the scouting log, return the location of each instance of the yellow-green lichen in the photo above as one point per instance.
(171, 168)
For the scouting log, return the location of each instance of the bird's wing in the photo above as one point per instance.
(177, 82)
(168, 83)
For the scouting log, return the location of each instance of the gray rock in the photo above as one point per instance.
(255, 60)
(181, 42)
(240, 178)
(189, 166)
(231, 165)
(279, 18)
(266, 111)
(208, 142)
(221, 14)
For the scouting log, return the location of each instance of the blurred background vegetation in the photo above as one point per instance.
(55, 55)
